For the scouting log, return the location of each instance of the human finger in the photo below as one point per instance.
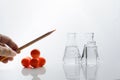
(10, 58)
(6, 40)
(7, 52)
(2, 44)
(3, 59)
(7, 59)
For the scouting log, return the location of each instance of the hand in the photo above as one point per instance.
(8, 48)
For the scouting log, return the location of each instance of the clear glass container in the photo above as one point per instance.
(71, 53)
(90, 52)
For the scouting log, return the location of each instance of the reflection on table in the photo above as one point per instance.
(33, 72)
(90, 72)
(78, 71)
(72, 72)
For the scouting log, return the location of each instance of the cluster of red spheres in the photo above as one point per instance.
(35, 61)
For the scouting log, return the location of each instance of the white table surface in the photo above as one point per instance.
(60, 71)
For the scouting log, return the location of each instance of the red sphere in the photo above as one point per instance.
(26, 62)
(42, 61)
(35, 53)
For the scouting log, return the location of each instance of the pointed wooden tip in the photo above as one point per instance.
(53, 30)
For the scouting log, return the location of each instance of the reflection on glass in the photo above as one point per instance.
(71, 53)
(33, 72)
(72, 71)
(90, 72)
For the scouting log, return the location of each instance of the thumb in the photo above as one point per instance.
(7, 52)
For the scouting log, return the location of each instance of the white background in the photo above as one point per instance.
(24, 20)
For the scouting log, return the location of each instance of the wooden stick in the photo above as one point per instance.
(31, 42)
(35, 40)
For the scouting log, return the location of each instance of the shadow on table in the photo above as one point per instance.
(33, 72)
